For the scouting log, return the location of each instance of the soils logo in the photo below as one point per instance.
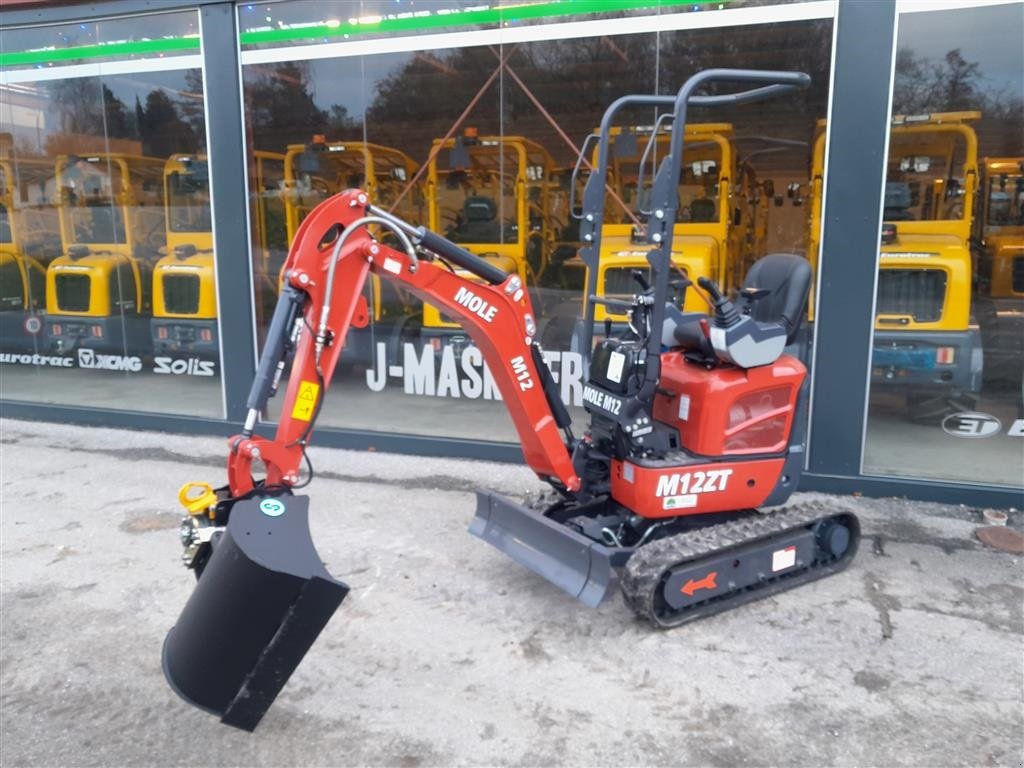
(192, 366)
(971, 425)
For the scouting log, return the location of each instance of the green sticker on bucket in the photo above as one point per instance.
(271, 507)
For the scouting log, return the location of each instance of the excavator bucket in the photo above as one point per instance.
(262, 599)
(569, 560)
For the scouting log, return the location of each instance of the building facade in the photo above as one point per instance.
(157, 158)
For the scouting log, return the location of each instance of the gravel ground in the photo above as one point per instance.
(447, 653)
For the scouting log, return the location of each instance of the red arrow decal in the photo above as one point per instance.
(708, 582)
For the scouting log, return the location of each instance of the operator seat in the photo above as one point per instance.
(480, 223)
(781, 282)
(897, 202)
(787, 278)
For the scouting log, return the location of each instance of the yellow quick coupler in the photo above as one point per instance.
(197, 498)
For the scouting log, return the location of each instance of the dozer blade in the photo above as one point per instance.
(261, 601)
(568, 559)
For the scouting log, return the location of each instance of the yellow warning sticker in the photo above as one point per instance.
(306, 401)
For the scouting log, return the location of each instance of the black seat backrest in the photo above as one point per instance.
(787, 278)
(479, 208)
(702, 210)
(479, 223)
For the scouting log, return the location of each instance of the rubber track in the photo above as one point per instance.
(643, 575)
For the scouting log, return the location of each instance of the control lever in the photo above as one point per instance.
(726, 314)
(613, 304)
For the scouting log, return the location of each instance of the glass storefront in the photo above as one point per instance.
(947, 363)
(469, 118)
(107, 273)
(470, 123)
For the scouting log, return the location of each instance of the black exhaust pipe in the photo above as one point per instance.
(261, 601)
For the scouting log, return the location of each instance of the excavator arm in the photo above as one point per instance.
(318, 305)
(263, 594)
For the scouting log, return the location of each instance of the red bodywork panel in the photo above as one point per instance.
(494, 316)
(729, 411)
(722, 412)
(694, 489)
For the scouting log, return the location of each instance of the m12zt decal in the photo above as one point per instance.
(475, 304)
(602, 400)
(522, 373)
(680, 489)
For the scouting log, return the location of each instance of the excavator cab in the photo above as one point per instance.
(112, 224)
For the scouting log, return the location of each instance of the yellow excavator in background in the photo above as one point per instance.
(713, 231)
(999, 293)
(112, 224)
(927, 340)
(29, 240)
(315, 171)
(492, 196)
(184, 281)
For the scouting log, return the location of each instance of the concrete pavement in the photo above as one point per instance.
(446, 653)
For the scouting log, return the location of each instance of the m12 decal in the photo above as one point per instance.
(522, 373)
(680, 489)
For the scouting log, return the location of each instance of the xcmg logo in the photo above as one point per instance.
(193, 366)
(88, 358)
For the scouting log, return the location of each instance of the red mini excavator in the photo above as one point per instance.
(695, 421)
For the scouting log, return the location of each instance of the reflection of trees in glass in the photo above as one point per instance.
(282, 110)
(161, 129)
(576, 79)
(951, 83)
(86, 107)
(191, 106)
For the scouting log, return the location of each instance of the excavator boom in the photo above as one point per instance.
(495, 310)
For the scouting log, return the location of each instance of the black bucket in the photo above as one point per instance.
(262, 600)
